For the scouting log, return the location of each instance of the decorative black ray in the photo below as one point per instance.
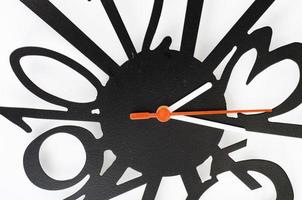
(119, 27)
(237, 34)
(259, 123)
(260, 40)
(222, 163)
(106, 186)
(193, 184)
(48, 114)
(94, 160)
(151, 188)
(276, 174)
(18, 54)
(107, 183)
(246, 178)
(155, 16)
(130, 185)
(293, 52)
(16, 116)
(59, 22)
(13, 115)
(76, 111)
(275, 128)
(114, 173)
(191, 26)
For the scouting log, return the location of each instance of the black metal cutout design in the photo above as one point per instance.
(153, 148)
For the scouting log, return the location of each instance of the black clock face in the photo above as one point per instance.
(154, 78)
(163, 112)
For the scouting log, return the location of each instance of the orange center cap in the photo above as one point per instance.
(163, 114)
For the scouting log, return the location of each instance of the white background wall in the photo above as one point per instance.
(20, 27)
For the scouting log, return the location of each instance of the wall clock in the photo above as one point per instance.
(153, 94)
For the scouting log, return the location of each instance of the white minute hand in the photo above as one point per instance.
(202, 122)
(208, 123)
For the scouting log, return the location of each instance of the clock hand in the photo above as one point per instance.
(190, 96)
(176, 105)
(208, 123)
(163, 113)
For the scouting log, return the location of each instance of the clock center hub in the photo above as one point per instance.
(163, 114)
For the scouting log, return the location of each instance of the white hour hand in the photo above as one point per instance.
(190, 96)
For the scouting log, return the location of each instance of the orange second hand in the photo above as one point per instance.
(146, 115)
(218, 112)
(142, 115)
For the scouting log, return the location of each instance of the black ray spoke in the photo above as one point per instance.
(151, 189)
(60, 23)
(155, 16)
(238, 33)
(191, 26)
(130, 185)
(259, 123)
(114, 173)
(193, 184)
(222, 156)
(119, 27)
(15, 115)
